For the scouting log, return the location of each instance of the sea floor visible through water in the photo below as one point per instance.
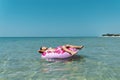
(98, 60)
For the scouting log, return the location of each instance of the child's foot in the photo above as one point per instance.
(81, 47)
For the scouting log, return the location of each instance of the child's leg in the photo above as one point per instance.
(74, 46)
(67, 50)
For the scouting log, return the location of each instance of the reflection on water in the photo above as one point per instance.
(70, 59)
(63, 70)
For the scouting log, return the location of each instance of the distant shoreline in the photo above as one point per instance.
(111, 35)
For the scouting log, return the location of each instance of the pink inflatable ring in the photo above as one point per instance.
(58, 53)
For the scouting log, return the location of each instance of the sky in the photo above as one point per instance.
(59, 18)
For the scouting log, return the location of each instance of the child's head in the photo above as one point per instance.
(42, 49)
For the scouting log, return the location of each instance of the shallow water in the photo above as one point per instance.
(99, 60)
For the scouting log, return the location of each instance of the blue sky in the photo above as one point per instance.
(52, 18)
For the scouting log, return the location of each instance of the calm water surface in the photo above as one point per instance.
(99, 60)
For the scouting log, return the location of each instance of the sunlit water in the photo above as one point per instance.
(99, 60)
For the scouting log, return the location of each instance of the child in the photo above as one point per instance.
(64, 48)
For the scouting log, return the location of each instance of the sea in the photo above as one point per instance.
(98, 60)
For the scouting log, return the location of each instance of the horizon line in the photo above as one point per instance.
(45, 36)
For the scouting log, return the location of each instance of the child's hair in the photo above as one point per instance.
(41, 48)
(40, 52)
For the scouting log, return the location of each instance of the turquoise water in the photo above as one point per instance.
(99, 60)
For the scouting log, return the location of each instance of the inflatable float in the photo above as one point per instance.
(58, 53)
